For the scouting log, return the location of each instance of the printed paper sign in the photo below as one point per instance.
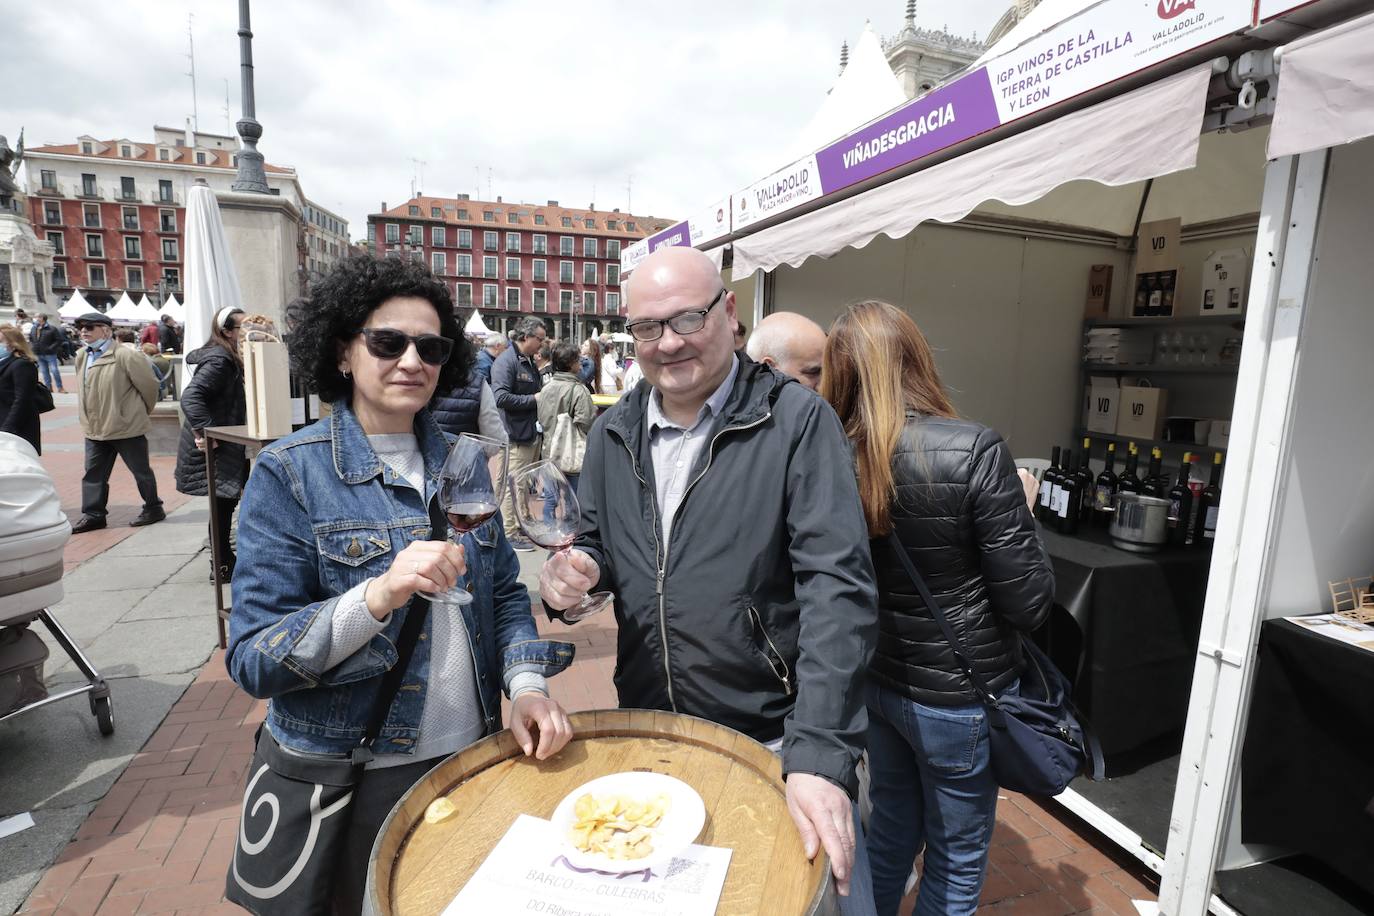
(778, 193)
(1269, 9)
(526, 874)
(711, 224)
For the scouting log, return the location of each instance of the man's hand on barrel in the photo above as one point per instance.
(823, 815)
(566, 578)
(533, 710)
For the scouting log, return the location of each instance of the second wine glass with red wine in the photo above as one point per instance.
(470, 486)
(547, 510)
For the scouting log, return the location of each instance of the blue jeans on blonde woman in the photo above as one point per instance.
(932, 788)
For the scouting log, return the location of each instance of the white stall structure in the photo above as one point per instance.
(1249, 122)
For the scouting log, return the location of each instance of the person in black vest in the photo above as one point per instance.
(469, 407)
(215, 397)
(515, 382)
(168, 337)
(18, 388)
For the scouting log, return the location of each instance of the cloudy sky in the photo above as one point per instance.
(568, 101)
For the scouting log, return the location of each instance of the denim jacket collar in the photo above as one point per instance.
(354, 459)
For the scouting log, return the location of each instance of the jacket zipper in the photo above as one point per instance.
(663, 568)
(786, 675)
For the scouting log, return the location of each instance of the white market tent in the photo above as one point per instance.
(475, 326)
(146, 311)
(1010, 219)
(125, 311)
(173, 309)
(75, 306)
(865, 89)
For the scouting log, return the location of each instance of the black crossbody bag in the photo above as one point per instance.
(1039, 741)
(297, 809)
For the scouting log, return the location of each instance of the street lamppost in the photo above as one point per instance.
(251, 177)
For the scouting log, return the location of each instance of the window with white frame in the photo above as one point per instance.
(393, 233)
(463, 294)
(133, 247)
(588, 301)
(512, 297)
(169, 250)
(88, 186)
(565, 246)
(612, 274)
(541, 300)
(512, 268)
(512, 241)
(172, 277)
(438, 235)
(167, 219)
(52, 213)
(489, 267)
(164, 154)
(59, 275)
(436, 213)
(95, 246)
(413, 210)
(130, 215)
(589, 274)
(464, 265)
(135, 277)
(438, 262)
(128, 188)
(541, 271)
(565, 271)
(589, 223)
(96, 273)
(566, 222)
(464, 238)
(565, 300)
(372, 232)
(513, 216)
(90, 216)
(613, 248)
(58, 243)
(613, 303)
(49, 180)
(164, 191)
(416, 235)
(611, 224)
(589, 248)
(541, 244)
(490, 240)
(488, 216)
(200, 158)
(489, 295)
(539, 219)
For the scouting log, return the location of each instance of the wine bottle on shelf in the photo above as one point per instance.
(1139, 308)
(1084, 508)
(1104, 494)
(1057, 490)
(1181, 503)
(1129, 482)
(1071, 495)
(1042, 510)
(1205, 525)
(1155, 307)
(1166, 300)
(1155, 483)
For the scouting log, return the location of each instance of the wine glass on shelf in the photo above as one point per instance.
(547, 510)
(470, 486)
(1178, 347)
(1204, 344)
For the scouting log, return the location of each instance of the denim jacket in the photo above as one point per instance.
(320, 514)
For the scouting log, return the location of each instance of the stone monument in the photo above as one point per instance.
(25, 262)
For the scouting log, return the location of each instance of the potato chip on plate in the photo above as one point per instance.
(629, 821)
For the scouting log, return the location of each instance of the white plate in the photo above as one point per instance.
(678, 829)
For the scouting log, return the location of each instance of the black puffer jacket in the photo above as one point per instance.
(961, 514)
(457, 409)
(214, 397)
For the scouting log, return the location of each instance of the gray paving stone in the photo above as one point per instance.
(177, 599)
(147, 647)
(107, 574)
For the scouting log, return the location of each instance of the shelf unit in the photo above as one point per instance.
(1146, 444)
(1238, 320)
(1097, 368)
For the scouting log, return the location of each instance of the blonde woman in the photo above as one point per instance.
(18, 387)
(949, 491)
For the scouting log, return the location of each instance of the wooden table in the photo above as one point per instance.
(238, 435)
(418, 868)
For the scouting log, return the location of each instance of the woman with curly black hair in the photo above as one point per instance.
(339, 532)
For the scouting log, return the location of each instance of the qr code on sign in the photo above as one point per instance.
(685, 875)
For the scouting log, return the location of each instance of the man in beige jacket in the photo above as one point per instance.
(117, 389)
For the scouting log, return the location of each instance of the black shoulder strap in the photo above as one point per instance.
(980, 686)
(417, 611)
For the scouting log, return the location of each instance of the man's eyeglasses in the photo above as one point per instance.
(388, 343)
(688, 322)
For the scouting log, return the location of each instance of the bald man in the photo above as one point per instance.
(712, 508)
(792, 344)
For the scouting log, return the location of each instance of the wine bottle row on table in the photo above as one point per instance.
(1069, 495)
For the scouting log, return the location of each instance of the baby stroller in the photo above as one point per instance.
(33, 531)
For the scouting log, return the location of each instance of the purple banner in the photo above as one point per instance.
(949, 115)
(678, 234)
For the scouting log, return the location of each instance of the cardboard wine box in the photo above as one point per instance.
(1099, 299)
(1156, 269)
(1141, 415)
(1103, 402)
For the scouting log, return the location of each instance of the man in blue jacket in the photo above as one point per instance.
(515, 382)
(719, 506)
(492, 347)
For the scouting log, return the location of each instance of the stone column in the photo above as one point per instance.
(265, 237)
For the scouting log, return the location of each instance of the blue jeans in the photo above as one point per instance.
(51, 370)
(932, 788)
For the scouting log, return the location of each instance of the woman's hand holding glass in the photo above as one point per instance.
(424, 566)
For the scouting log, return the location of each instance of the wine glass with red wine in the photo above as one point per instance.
(470, 486)
(547, 510)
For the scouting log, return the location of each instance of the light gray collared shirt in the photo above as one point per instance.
(674, 449)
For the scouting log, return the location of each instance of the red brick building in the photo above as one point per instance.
(511, 259)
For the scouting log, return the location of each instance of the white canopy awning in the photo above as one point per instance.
(147, 311)
(866, 90)
(1326, 90)
(125, 311)
(476, 325)
(75, 306)
(173, 309)
(1147, 133)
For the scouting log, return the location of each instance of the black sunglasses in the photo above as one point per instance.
(688, 322)
(387, 343)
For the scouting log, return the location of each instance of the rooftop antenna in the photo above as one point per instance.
(417, 180)
(629, 197)
(477, 182)
(228, 125)
(593, 206)
(488, 182)
(191, 42)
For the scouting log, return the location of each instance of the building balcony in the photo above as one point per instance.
(133, 257)
(90, 194)
(58, 191)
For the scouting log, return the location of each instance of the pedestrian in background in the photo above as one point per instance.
(168, 335)
(564, 393)
(48, 344)
(468, 406)
(149, 334)
(162, 368)
(495, 345)
(515, 382)
(215, 397)
(18, 387)
(590, 365)
(117, 389)
(949, 491)
(612, 376)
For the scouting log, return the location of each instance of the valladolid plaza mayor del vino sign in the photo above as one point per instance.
(1104, 43)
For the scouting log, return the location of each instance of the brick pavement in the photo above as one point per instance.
(161, 839)
(64, 458)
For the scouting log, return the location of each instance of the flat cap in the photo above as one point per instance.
(95, 318)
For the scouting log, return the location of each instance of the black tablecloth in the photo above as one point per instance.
(1129, 638)
(1307, 772)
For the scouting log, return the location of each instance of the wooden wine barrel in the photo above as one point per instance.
(418, 868)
